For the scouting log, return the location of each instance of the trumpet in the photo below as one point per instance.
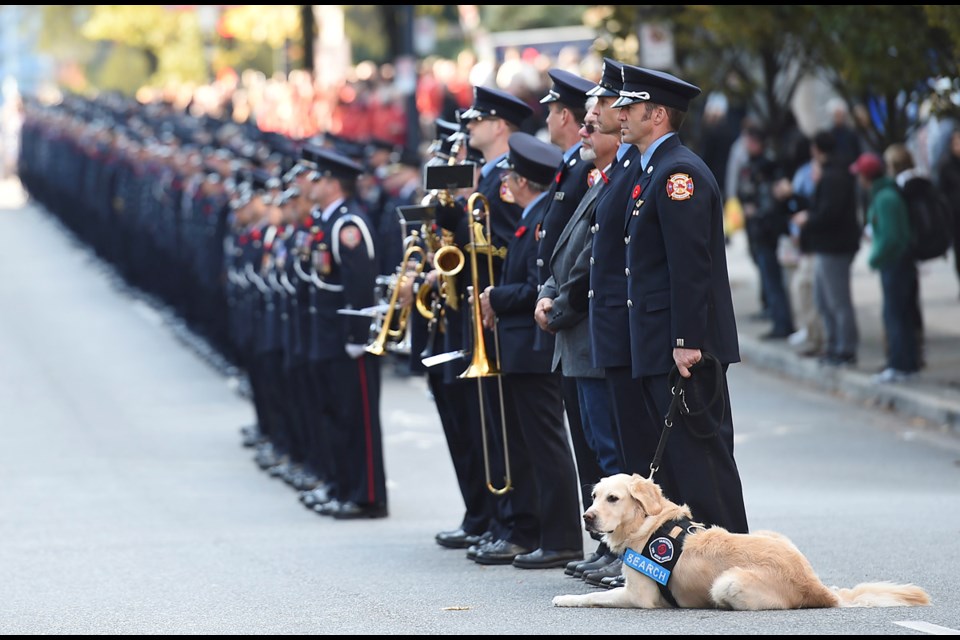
(480, 365)
(388, 336)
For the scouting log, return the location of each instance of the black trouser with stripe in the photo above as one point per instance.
(351, 404)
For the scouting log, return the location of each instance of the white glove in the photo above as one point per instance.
(355, 350)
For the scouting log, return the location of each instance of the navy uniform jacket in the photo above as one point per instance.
(515, 298)
(609, 322)
(345, 261)
(677, 282)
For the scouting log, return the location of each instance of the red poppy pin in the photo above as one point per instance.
(558, 177)
(256, 234)
(636, 191)
(520, 231)
(318, 236)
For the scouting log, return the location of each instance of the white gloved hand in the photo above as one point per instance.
(355, 350)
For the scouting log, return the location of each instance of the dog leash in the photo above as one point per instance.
(679, 406)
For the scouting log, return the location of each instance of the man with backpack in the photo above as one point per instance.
(891, 255)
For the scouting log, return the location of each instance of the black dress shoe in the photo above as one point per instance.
(281, 469)
(596, 565)
(546, 559)
(456, 539)
(267, 456)
(327, 508)
(612, 570)
(571, 568)
(251, 436)
(501, 552)
(317, 496)
(354, 511)
(485, 540)
(613, 583)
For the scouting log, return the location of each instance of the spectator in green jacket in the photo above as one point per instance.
(889, 229)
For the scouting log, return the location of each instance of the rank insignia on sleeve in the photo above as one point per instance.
(680, 186)
(350, 237)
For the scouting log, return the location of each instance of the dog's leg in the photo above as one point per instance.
(749, 590)
(615, 598)
(639, 593)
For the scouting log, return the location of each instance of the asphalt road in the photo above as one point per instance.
(128, 506)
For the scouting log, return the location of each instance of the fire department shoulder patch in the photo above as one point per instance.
(350, 237)
(680, 186)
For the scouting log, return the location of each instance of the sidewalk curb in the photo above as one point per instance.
(938, 414)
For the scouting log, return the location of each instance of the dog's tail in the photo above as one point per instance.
(882, 594)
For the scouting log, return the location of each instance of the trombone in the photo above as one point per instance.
(480, 365)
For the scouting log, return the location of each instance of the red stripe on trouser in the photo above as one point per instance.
(367, 429)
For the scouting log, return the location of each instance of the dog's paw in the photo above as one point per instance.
(566, 601)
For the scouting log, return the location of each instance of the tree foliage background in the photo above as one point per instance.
(886, 58)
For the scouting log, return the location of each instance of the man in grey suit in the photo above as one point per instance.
(562, 304)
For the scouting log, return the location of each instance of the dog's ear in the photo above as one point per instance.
(647, 494)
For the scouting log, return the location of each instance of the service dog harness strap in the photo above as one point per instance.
(661, 552)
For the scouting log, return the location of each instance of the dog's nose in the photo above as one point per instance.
(588, 517)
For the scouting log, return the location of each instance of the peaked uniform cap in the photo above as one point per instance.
(497, 103)
(658, 87)
(532, 158)
(611, 80)
(568, 88)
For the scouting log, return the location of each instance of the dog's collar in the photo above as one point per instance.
(661, 552)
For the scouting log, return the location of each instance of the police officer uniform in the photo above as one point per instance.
(345, 259)
(679, 297)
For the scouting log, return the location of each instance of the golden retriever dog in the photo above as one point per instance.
(716, 569)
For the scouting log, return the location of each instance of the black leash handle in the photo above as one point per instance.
(679, 406)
